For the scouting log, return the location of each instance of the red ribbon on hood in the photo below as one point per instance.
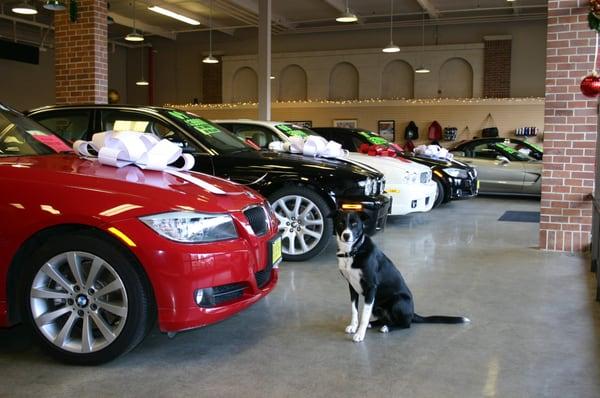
(377, 150)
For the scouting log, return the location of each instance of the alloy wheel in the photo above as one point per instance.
(78, 302)
(301, 223)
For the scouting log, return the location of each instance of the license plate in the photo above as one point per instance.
(276, 252)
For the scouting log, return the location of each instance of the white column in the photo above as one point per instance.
(264, 59)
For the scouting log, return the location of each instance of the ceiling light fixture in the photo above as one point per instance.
(54, 5)
(134, 35)
(24, 9)
(422, 68)
(347, 15)
(142, 81)
(175, 15)
(391, 48)
(210, 59)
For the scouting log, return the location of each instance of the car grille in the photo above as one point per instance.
(257, 217)
(425, 177)
(263, 277)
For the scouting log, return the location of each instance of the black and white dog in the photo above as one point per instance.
(388, 302)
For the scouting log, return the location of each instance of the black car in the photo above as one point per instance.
(526, 147)
(303, 192)
(455, 179)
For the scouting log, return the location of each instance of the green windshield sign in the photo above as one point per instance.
(198, 124)
(507, 148)
(373, 139)
(290, 131)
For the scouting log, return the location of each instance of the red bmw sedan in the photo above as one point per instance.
(92, 255)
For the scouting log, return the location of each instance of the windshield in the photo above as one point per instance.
(514, 153)
(291, 130)
(212, 135)
(20, 136)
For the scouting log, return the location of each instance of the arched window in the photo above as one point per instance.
(456, 79)
(398, 80)
(245, 85)
(343, 82)
(292, 84)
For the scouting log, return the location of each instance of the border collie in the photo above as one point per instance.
(388, 303)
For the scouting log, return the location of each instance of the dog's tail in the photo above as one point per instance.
(439, 319)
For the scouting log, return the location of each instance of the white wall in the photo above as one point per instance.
(325, 79)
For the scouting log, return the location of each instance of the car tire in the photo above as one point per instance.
(304, 222)
(85, 298)
(440, 196)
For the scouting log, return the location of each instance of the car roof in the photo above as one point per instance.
(101, 106)
(266, 123)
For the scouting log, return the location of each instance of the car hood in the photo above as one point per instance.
(70, 179)
(438, 161)
(305, 164)
(392, 168)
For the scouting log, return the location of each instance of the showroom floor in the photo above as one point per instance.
(534, 332)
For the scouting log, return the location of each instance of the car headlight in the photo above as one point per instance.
(474, 172)
(456, 173)
(188, 227)
(367, 185)
(409, 178)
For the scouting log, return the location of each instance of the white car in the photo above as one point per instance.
(408, 183)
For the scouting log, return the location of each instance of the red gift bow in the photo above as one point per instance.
(377, 150)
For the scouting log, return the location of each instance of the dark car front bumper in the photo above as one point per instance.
(463, 188)
(376, 208)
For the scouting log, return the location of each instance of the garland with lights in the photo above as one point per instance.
(422, 101)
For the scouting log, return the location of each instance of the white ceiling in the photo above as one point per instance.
(302, 16)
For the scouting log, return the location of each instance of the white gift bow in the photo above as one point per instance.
(122, 148)
(311, 146)
(434, 151)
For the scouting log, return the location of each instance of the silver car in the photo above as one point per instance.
(502, 168)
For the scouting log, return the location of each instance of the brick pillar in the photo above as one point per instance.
(81, 54)
(496, 66)
(212, 76)
(570, 130)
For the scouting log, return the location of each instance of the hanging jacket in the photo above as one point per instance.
(435, 131)
(411, 132)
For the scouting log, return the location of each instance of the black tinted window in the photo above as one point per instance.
(71, 125)
(20, 136)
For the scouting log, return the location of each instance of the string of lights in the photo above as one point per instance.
(370, 101)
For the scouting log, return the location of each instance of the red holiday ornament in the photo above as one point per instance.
(590, 85)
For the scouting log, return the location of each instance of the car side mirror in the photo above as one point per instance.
(502, 159)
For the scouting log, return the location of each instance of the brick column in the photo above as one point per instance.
(81, 54)
(570, 130)
(496, 66)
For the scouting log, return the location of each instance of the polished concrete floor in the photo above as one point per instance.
(535, 328)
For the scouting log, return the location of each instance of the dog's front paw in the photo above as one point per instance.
(351, 329)
(384, 329)
(358, 337)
